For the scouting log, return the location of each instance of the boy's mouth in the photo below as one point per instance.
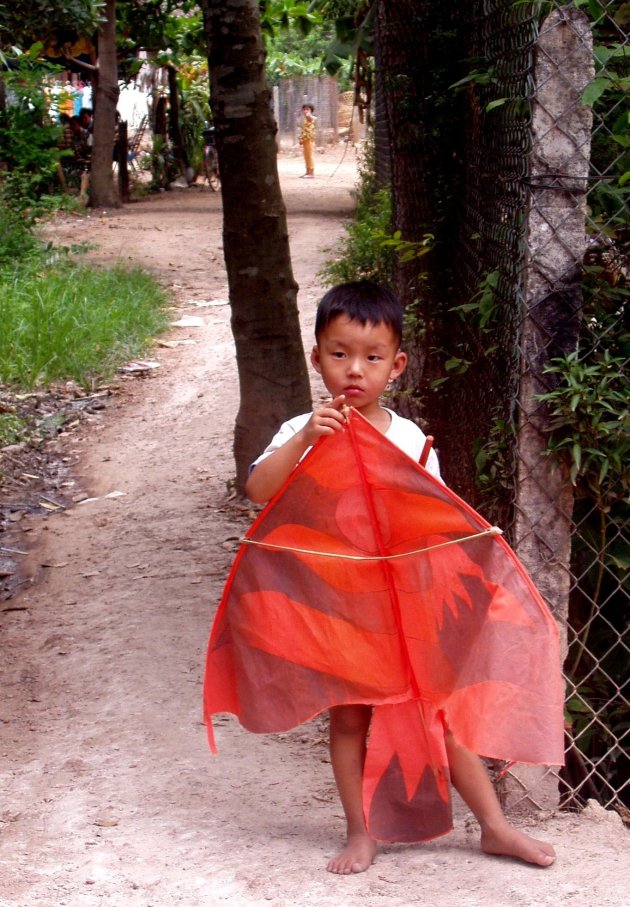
(352, 390)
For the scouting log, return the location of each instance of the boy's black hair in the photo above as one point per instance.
(309, 105)
(362, 301)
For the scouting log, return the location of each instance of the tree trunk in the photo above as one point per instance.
(103, 193)
(177, 142)
(408, 78)
(122, 150)
(401, 71)
(272, 370)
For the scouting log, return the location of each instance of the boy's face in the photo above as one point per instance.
(357, 360)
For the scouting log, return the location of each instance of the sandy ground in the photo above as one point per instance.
(109, 795)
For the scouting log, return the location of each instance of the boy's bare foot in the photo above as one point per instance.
(510, 842)
(357, 856)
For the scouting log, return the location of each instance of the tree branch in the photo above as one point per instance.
(91, 67)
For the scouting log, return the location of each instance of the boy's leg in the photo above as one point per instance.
(470, 779)
(309, 157)
(349, 725)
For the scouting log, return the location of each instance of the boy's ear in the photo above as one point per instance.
(399, 366)
(315, 361)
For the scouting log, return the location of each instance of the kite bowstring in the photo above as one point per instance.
(346, 412)
(492, 530)
(346, 143)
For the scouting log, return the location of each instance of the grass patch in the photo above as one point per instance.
(16, 237)
(74, 321)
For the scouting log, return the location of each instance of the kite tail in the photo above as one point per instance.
(406, 785)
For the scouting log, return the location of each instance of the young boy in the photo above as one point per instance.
(358, 331)
(307, 139)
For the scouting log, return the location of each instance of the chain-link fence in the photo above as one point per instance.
(544, 257)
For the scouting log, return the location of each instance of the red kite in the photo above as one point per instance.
(365, 580)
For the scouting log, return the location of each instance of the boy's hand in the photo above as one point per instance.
(325, 420)
(271, 473)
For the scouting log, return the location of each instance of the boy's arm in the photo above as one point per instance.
(268, 476)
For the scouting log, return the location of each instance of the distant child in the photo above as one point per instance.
(307, 139)
(358, 331)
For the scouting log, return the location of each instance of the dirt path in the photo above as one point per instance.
(109, 795)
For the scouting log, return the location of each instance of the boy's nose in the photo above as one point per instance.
(354, 366)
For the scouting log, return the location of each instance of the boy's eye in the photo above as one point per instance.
(338, 354)
(374, 358)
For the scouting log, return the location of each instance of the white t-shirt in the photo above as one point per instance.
(402, 432)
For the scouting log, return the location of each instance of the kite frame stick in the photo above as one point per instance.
(426, 450)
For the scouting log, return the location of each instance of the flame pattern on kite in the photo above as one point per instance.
(365, 580)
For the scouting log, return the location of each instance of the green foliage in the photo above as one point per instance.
(608, 95)
(589, 429)
(335, 9)
(598, 722)
(353, 32)
(481, 313)
(16, 237)
(284, 14)
(173, 36)
(369, 248)
(589, 419)
(166, 30)
(493, 461)
(590, 422)
(19, 215)
(485, 305)
(478, 77)
(161, 162)
(38, 20)
(409, 250)
(29, 138)
(351, 37)
(300, 43)
(363, 253)
(194, 107)
(291, 53)
(74, 321)
(12, 429)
